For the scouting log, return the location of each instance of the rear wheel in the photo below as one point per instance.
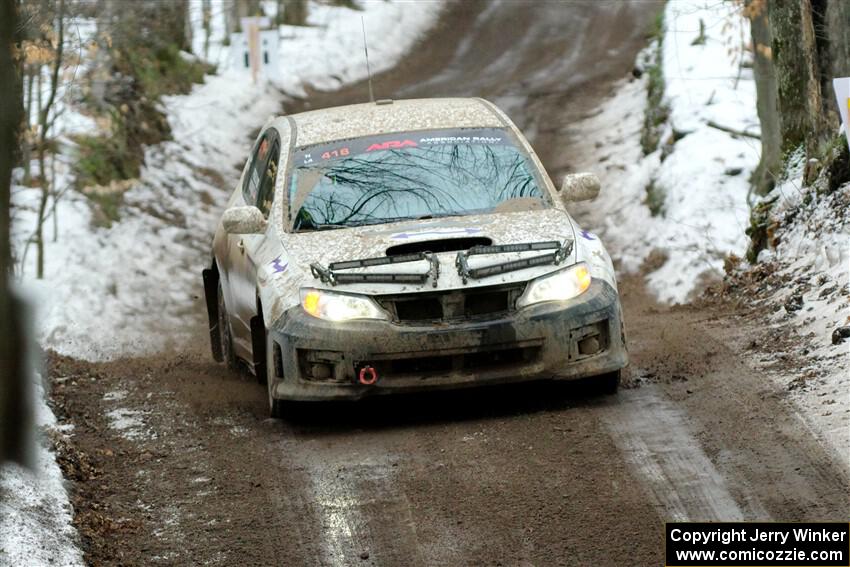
(224, 335)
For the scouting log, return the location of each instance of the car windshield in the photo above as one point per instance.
(417, 175)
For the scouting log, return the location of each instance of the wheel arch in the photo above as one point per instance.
(258, 343)
(211, 278)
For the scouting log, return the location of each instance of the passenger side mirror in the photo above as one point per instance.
(579, 187)
(243, 220)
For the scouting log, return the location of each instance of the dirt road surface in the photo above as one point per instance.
(176, 462)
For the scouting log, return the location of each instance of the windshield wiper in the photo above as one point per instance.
(561, 251)
(330, 275)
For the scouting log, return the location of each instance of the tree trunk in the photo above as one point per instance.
(798, 80)
(14, 409)
(249, 8)
(187, 27)
(764, 177)
(295, 13)
(281, 10)
(231, 18)
(206, 17)
(837, 29)
(173, 16)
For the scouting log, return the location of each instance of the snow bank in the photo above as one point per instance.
(811, 269)
(700, 172)
(35, 515)
(131, 288)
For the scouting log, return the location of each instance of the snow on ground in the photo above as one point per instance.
(123, 290)
(328, 52)
(35, 515)
(811, 267)
(703, 176)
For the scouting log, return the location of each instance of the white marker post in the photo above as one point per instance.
(251, 27)
(842, 94)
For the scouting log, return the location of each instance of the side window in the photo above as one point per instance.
(251, 188)
(266, 193)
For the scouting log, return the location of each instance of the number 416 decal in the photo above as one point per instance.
(336, 153)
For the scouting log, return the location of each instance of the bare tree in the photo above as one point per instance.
(44, 127)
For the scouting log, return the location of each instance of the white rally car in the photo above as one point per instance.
(408, 245)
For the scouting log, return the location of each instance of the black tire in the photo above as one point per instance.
(276, 407)
(224, 334)
(608, 384)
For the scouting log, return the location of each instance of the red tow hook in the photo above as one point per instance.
(368, 376)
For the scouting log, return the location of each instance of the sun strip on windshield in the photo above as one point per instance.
(561, 251)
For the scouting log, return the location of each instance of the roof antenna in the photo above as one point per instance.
(366, 50)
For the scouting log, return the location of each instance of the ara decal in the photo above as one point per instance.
(587, 235)
(277, 266)
(392, 145)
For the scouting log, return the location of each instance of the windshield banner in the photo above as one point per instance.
(313, 155)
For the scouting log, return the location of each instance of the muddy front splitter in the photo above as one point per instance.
(320, 360)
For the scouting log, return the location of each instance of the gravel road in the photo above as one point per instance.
(174, 460)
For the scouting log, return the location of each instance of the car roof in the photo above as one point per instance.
(385, 117)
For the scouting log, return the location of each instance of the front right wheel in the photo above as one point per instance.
(609, 383)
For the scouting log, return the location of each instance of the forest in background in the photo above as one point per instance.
(798, 46)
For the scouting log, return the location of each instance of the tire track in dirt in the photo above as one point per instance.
(654, 436)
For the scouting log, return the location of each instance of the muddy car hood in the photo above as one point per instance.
(373, 241)
(285, 258)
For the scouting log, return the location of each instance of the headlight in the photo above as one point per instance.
(339, 307)
(559, 286)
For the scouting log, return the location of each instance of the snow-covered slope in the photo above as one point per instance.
(801, 281)
(698, 176)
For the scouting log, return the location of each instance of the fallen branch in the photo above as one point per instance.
(732, 130)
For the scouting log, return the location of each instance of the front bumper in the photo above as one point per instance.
(320, 360)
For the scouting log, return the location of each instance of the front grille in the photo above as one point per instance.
(472, 303)
(500, 357)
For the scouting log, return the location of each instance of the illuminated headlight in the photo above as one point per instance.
(559, 286)
(339, 307)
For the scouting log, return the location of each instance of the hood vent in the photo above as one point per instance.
(437, 246)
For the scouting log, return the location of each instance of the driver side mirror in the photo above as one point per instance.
(243, 220)
(580, 187)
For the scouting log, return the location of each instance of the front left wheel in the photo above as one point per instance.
(276, 407)
(225, 336)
